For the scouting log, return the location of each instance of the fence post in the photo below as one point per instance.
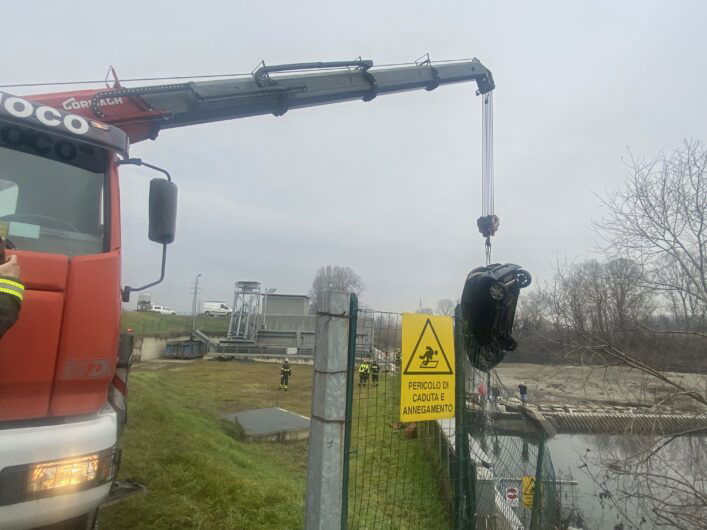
(327, 423)
(464, 485)
(458, 475)
(536, 518)
(351, 364)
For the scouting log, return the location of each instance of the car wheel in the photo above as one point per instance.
(497, 291)
(207, 313)
(523, 278)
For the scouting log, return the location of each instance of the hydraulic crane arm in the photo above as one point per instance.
(142, 112)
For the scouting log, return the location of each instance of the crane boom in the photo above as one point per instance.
(143, 111)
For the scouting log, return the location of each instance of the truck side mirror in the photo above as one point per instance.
(163, 217)
(163, 211)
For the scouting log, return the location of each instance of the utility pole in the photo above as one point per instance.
(194, 306)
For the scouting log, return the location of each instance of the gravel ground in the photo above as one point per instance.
(593, 384)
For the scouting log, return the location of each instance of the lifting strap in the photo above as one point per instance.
(488, 222)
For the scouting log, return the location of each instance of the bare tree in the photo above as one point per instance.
(445, 307)
(659, 220)
(532, 327)
(581, 310)
(334, 277)
(645, 302)
(600, 297)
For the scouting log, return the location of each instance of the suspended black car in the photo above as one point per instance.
(488, 308)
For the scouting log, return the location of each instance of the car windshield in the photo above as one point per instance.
(52, 193)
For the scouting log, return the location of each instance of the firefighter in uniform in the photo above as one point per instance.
(374, 373)
(363, 371)
(11, 291)
(285, 373)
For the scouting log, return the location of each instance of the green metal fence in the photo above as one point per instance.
(393, 482)
(449, 474)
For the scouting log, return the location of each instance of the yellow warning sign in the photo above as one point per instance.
(427, 379)
(528, 488)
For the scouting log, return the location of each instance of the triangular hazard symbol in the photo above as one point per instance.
(428, 357)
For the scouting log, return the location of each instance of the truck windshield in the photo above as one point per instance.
(52, 193)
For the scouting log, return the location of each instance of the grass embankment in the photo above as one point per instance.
(394, 482)
(201, 475)
(197, 474)
(147, 323)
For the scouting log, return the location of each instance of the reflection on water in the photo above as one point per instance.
(633, 481)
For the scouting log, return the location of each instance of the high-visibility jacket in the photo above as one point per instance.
(11, 294)
(363, 369)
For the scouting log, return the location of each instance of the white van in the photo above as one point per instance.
(162, 310)
(216, 309)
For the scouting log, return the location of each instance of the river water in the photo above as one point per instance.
(632, 481)
(614, 482)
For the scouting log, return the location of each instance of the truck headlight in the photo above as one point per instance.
(62, 473)
(56, 477)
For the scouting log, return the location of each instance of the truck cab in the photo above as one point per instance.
(60, 406)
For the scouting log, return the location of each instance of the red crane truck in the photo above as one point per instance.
(64, 365)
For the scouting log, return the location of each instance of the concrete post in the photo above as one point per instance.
(327, 424)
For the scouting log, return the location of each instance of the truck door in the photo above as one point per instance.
(55, 207)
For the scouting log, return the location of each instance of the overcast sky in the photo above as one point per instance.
(392, 187)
